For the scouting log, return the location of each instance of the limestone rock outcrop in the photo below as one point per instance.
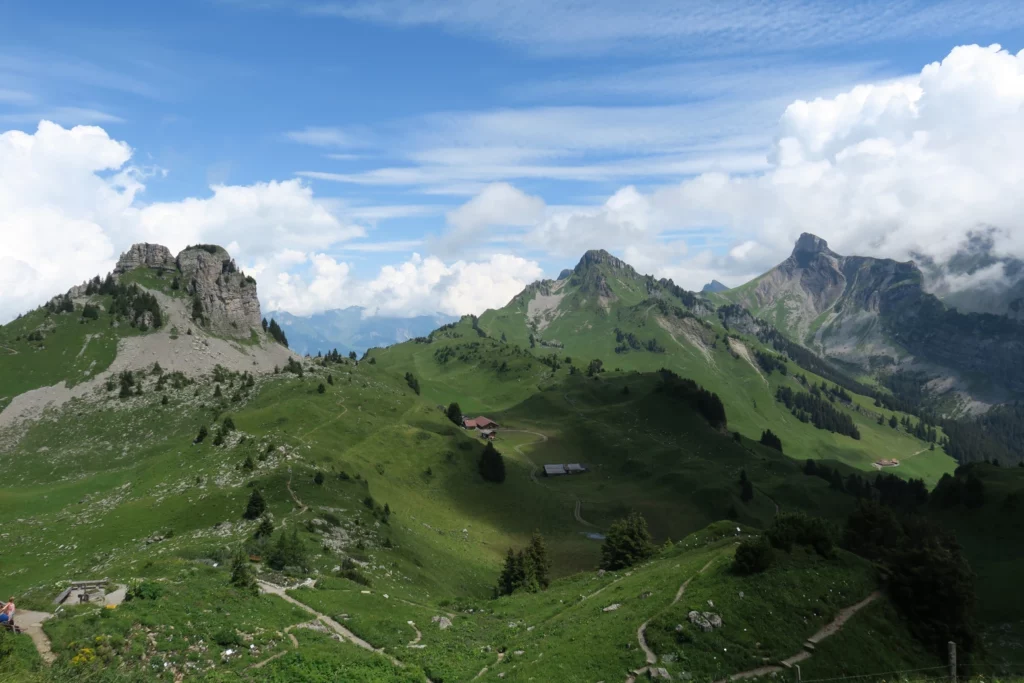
(145, 255)
(224, 298)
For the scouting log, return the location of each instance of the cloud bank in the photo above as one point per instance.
(71, 202)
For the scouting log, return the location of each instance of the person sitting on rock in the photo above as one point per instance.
(7, 613)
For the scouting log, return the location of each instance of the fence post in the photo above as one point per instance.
(952, 661)
(798, 675)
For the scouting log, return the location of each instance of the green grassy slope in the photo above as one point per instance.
(458, 365)
(73, 349)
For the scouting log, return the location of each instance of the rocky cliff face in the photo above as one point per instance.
(145, 255)
(223, 297)
(875, 314)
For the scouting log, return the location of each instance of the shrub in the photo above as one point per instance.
(203, 433)
(791, 529)
(318, 478)
(143, 590)
(628, 542)
(753, 556)
(321, 389)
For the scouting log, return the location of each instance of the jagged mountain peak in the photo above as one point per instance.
(809, 244)
(713, 287)
(598, 257)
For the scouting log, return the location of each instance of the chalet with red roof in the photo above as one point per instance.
(479, 423)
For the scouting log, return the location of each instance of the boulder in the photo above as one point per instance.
(611, 608)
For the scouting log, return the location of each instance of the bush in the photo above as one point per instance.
(203, 433)
(318, 478)
(753, 556)
(321, 389)
(143, 590)
(627, 543)
(791, 529)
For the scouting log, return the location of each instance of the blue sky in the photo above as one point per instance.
(393, 114)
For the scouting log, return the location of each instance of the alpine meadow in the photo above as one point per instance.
(574, 341)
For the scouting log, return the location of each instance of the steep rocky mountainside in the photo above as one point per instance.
(874, 314)
(187, 314)
(224, 299)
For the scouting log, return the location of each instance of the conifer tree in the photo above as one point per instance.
(241, 574)
(256, 506)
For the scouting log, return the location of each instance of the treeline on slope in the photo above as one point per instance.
(923, 567)
(129, 302)
(628, 341)
(995, 436)
(528, 569)
(275, 331)
(811, 407)
(902, 494)
(706, 403)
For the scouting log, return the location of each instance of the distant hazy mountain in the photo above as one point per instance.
(346, 329)
(713, 287)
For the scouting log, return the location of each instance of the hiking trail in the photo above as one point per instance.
(829, 629)
(327, 621)
(641, 632)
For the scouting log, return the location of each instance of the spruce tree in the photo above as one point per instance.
(454, 413)
(265, 529)
(241, 574)
(256, 506)
(538, 553)
(492, 464)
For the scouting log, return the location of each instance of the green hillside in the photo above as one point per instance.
(635, 323)
(377, 498)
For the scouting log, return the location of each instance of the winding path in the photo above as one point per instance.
(829, 629)
(351, 637)
(641, 632)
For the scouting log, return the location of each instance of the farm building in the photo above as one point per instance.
(488, 434)
(557, 470)
(888, 463)
(479, 423)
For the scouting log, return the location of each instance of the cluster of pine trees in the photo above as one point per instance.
(807, 407)
(700, 399)
(770, 363)
(527, 569)
(275, 331)
(413, 383)
(964, 487)
(887, 489)
(628, 341)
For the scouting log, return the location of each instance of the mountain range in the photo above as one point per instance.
(752, 463)
(875, 317)
(351, 329)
